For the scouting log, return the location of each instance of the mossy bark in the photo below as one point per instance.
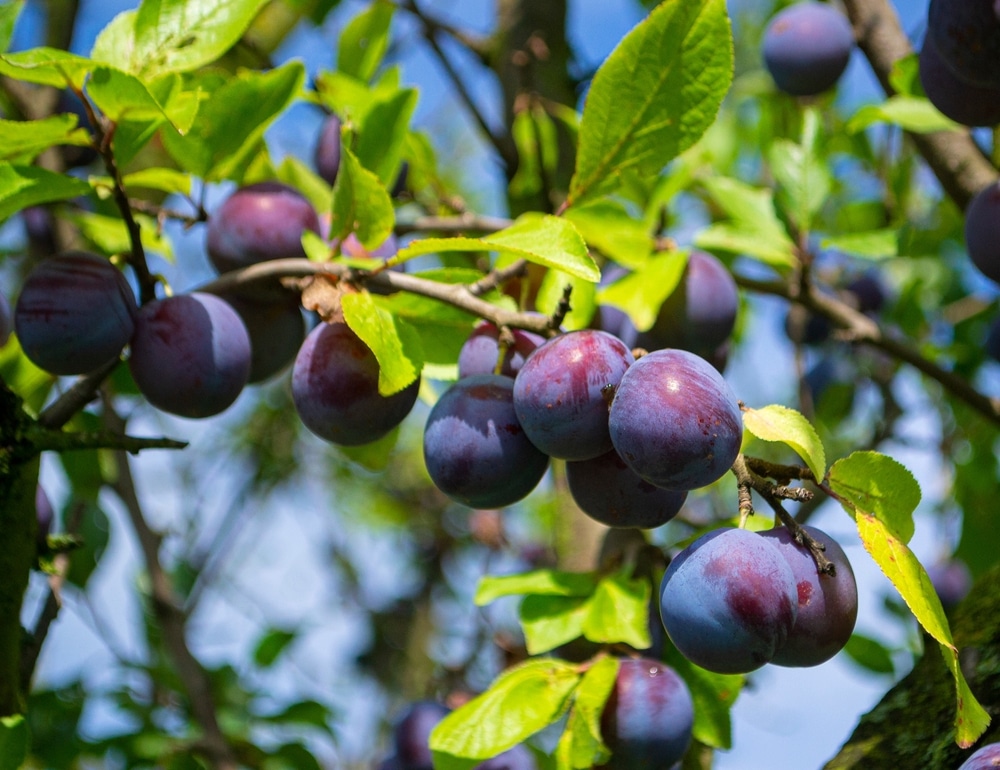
(914, 724)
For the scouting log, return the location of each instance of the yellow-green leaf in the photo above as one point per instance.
(870, 482)
(779, 423)
(393, 341)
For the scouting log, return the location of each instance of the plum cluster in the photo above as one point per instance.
(735, 600)
(637, 435)
(806, 48)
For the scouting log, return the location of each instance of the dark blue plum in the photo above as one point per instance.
(729, 601)
(828, 605)
(335, 388)
(412, 732)
(257, 223)
(700, 314)
(967, 34)
(45, 514)
(517, 758)
(951, 580)
(75, 313)
(475, 449)
(675, 421)
(327, 154)
(986, 758)
(561, 393)
(648, 717)
(276, 328)
(607, 490)
(982, 231)
(960, 100)
(868, 292)
(806, 48)
(992, 345)
(190, 354)
(481, 352)
(616, 321)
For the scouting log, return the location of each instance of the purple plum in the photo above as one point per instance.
(806, 48)
(481, 352)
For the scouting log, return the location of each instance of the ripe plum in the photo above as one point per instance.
(967, 35)
(982, 231)
(675, 420)
(960, 100)
(951, 580)
(728, 601)
(475, 449)
(560, 394)
(986, 758)
(327, 154)
(412, 733)
(335, 388)
(607, 490)
(276, 330)
(75, 313)
(190, 354)
(481, 352)
(806, 48)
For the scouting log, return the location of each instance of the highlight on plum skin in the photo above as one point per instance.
(561, 392)
(190, 355)
(475, 449)
(729, 601)
(76, 312)
(648, 717)
(675, 420)
(610, 492)
(827, 604)
(257, 223)
(335, 388)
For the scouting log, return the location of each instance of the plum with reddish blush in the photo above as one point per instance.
(276, 328)
(335, 388)
(607, 490)
(327, 153)
(675, 421)
(481, 352)
(561, 393)
(75, 313)
(648, 717)
(729, 601)
(475, 449)
(986, 758)
(412, 734)
(828, 604)
(257, 223)
(190, 354)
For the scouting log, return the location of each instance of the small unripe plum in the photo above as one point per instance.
(607, 490)
(986, 758)
(648, 717)
(967, 35)
(257, 223)
(276, 328)
(335, 388)
(828, 604)
(806, 48)
(675, 420)
(190, 354)
(412, 734)
(75, 313)
(700, 314)
(481, 352)
(475, 449)
(327, 155)
(561, 393)
(982, 231)
(958, 99)
(45, 514)
(951, 580)
(728, 601)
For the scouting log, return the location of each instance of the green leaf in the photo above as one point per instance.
(618, 611)
(804, 180)
(25, 139)
(382, 134)
(9, 12)
(641, 293)
(655, 96)
(873, 483)
(910, 579)
(23, 377)
(543, 582)
(46, 67)
(166, 180)
(392, 340)
(521, 701)
(364, 41)
(876, 244)
(110, 234)
(121, 96)
(14, 741)
(869, 654)
(173, 35)
(23, 186)
(713, 696)
(270, 646)
(754, 227)
(551, 621)
(607, 227)
(360, 203)
(910, 113)
(779, 423)
(94, 535)
(230, 125)
(581, 745)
